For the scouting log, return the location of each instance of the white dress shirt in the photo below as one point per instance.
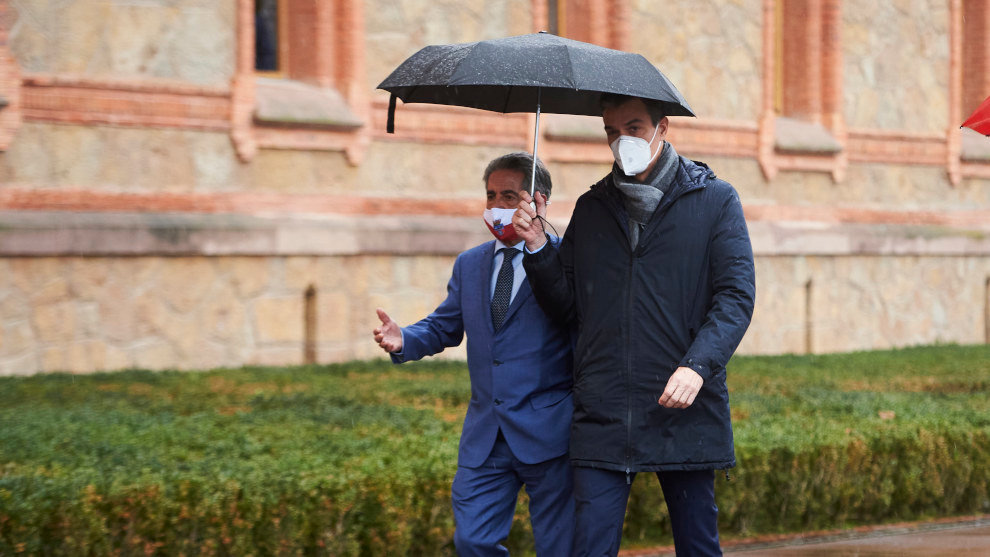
(518, 272)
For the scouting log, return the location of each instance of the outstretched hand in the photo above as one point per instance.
(526, 223)
(388, 335)
(682, 388)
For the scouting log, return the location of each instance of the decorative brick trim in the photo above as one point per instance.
(540, 17)
(971, 24)
(349, 49)
(24, 198)
(47, 234)
(974, 170)
(430, 123)
(326, 50)
(953, 140)
(692, 136)
(597, 23)
(303, 139)
(242, 85)
(53, 234)
(805, 162)
(812, 83)
(620, 15)
(804, 239)
(350, 69)
(601, 22)
(832, 68)
(879, 146)
(155, 103)
(141, 85)
(969, 81)
(767, 123)
(17, 197)
(728, 138)
(974, 220)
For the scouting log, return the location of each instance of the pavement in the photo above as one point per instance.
(968, 537)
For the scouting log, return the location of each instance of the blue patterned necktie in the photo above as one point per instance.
(503, 287)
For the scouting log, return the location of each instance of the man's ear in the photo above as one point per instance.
(662, 128)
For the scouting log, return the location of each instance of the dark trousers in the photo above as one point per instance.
(484, 501)
(601, 497)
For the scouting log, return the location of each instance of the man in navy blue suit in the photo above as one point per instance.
(516, 429)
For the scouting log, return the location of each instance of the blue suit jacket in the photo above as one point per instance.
(520, 376)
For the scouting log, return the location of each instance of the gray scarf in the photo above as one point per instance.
(642, 198)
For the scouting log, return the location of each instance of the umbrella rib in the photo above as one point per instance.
(570, 63)
(508, 95)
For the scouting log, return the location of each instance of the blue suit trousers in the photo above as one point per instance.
(484, 501)
(601, 497)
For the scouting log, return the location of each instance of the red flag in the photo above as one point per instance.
(979, 120)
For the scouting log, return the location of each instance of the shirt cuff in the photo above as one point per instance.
(537, 250)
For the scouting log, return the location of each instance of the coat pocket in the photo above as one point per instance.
(548, 398)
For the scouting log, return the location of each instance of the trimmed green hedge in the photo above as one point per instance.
(357, 458)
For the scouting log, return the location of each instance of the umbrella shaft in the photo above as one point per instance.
(536, 145)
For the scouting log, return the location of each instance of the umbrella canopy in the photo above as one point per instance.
(979, 120)
(528, 73)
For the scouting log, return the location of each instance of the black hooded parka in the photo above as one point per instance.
(683, 297)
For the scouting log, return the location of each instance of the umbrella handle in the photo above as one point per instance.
(390, 124)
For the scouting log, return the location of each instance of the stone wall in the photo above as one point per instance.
(706, 46)
(153, 215)
(84, 314)
(398, 29)
(878, 58)
(188, 40)
(821, 304)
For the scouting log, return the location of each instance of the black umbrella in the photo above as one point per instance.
(528, 73)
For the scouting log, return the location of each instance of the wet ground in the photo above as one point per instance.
(959, 541)
(959, 538)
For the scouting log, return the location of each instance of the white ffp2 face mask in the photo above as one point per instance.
(633, 154)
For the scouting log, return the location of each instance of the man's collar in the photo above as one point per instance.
(499, 245)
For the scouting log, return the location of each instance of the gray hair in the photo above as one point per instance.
(523, 163)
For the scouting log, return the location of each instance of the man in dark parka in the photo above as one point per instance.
(656, 273)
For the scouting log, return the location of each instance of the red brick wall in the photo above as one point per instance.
(303, 41)
(975, 54)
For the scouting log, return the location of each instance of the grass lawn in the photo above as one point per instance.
(356, 458)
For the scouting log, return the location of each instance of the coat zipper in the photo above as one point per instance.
(629, 411)
(628, 371)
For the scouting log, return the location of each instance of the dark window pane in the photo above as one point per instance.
(266, 35)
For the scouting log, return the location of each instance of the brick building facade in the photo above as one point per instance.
(163, 204)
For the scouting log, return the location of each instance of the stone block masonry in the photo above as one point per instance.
(84, 314)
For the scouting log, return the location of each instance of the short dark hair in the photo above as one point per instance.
(522, 162)
(653, 107)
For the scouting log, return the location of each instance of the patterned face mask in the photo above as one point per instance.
(499, 221)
